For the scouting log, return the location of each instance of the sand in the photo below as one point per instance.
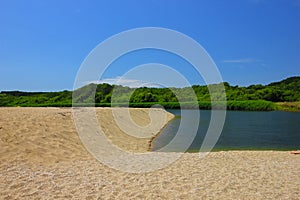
(42, 157)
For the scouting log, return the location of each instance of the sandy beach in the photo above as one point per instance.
(42, 157)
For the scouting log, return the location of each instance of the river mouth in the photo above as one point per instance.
(243, 130)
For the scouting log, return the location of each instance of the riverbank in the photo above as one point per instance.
(42, 157)
(289, 106)
(250, 105)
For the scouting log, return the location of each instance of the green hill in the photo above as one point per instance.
(253, 97)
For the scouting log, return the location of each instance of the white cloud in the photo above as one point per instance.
(133, 83)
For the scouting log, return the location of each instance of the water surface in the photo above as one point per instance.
(274, 130)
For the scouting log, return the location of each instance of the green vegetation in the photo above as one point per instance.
(34, 99)
(289, 106)
(253, 97)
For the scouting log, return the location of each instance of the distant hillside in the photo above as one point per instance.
(287, 90)
(291, 80)
(291, 83)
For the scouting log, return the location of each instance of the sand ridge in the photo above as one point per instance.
(41, 157)
(49, 134)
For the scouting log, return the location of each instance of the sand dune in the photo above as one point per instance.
(42, 157)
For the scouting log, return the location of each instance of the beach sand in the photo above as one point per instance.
(42, 157)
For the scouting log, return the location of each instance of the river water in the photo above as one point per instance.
(242, 130)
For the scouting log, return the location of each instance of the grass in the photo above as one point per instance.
(289, 106)
(257, 105)
(249, 105)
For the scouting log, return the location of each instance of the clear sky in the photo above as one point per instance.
(43, 43)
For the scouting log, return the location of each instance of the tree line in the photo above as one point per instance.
(238, 97)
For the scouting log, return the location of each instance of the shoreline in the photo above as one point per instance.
(276, 106)
(150, 147)
(141, 117)
(234, 105)
(109, 127)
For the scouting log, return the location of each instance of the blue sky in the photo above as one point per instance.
(43, 43)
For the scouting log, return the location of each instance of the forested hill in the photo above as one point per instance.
(287, 90)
